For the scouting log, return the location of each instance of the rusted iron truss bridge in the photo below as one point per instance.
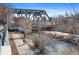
(31, 14)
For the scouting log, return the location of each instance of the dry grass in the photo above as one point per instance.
(48, 45)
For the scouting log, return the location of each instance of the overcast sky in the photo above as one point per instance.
(53, 9)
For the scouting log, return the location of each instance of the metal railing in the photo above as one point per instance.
(3, 35)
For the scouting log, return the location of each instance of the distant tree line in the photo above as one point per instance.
(66, 23)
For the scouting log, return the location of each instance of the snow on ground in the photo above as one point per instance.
(5, 50)
(59, 47)
(46, 44)
(52, 46)
(23, 49)
(66, 48)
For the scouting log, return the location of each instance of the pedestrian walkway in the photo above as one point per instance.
(18, 47)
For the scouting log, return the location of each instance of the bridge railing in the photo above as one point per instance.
(3, 34)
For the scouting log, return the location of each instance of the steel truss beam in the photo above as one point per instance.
(31, 13)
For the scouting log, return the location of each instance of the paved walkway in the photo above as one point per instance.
(18, 47)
